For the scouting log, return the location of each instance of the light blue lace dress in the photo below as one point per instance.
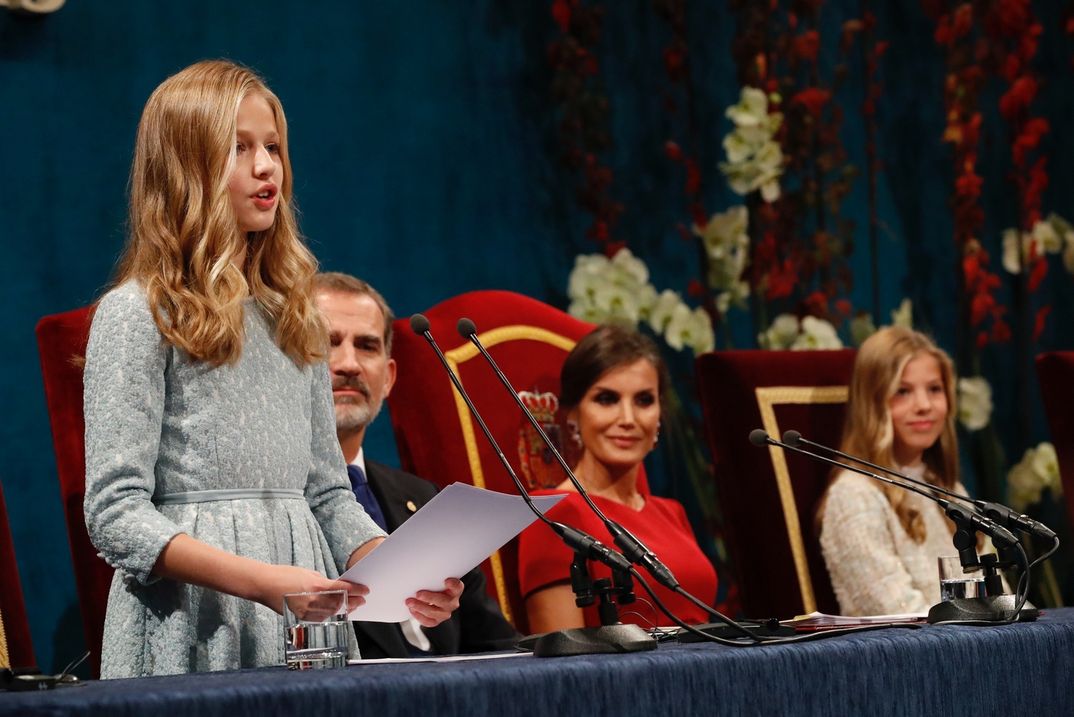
(243, 457)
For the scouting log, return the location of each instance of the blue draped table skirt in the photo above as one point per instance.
(1025, 669)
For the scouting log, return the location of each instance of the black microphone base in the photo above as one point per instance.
(607, 639)
(995, 608)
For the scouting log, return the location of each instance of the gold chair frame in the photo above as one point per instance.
(460, 355)
(768, 397)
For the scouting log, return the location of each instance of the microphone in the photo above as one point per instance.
(962, 517)
(635, 550)
(576, 539)
(1001, 514)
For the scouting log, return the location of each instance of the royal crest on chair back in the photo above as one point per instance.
(538, 464)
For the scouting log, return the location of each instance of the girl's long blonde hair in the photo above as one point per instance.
(868, 432)
(184, 237)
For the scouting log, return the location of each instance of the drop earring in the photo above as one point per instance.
(574, 434)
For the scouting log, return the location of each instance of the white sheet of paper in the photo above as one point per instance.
(451, 534)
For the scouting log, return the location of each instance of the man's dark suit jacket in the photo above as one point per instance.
(477, 626)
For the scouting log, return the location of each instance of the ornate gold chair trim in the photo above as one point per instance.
(463, 353)
(5, 660)
(768, 397)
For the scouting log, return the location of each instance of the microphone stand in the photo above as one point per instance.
(612, 636)
(966, 545)
(991, 609)
(1004, 515)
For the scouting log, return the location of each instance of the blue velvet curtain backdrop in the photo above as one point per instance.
(423, 139)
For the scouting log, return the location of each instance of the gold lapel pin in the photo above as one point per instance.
(411, 507)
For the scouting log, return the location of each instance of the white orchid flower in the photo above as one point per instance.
(663, 309)
(1047, 238)
(725, 227)
(619, 303)
(1068, 252)
(588, 273)
(1012, 251)
(904, 315)
(1027, 479)
(974, 402)
(770, 191)
(627, 265)
(817, 334)
(689, 328)
(586, 311)
(738, 147)
(781, 334)
(754, 158)
(646, 300)
(703, 339)
(861, 328)
(751, 108)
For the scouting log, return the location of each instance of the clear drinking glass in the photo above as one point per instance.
(315, 629)
(956, 583)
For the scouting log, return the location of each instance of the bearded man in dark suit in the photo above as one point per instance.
(363, 372)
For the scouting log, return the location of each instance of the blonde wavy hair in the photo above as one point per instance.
(868, 432)
(184, 236)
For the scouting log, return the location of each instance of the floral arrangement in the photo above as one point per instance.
(1030, 249)
(754, 158)
(806, 334)
(726, 241)
(617, 290)
(1038, 470)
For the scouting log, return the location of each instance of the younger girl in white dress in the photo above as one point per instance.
(880, 542)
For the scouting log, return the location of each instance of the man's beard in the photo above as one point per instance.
(353, 413)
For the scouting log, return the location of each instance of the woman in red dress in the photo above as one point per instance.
(612, 384)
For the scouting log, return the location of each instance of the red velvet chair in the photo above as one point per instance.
(61, 341)
(437, 438)
(769, 496)
(16, 647)
(1055, 373)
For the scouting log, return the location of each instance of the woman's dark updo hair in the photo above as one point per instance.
(604, 348)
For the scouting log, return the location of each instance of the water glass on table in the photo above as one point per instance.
(956, 583)
(315, 629)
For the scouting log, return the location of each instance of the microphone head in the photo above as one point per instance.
(419, 324)
(758, 437)
(466, 328)
(792, 438)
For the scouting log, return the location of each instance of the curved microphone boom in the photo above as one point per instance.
(1001, 514)
(993, 609)
(961, 516)
(577, 539)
